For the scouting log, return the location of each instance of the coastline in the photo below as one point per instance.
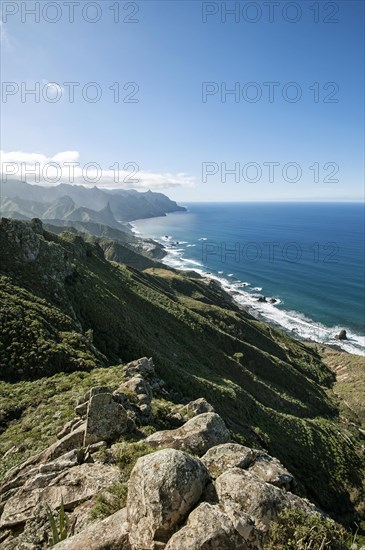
(263, 308)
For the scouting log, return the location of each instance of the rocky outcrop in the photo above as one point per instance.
(24, 243)
(196, 436)
(342, 335)
(224, 500)
(106, 419)
(271, 470)
(71, 485)
(198, 406)
(207, 528)
(229, 455)
(109, 534)
(232, 455)
(162, 489)
(240, 491)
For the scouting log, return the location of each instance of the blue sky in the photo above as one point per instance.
(171, 135)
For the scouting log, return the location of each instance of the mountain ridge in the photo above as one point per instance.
(82, 312)
(124, 205)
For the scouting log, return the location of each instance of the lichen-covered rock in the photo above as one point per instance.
(81, 409)
(196, 436)
(199, 406)
(249, 494)
(271, 470)
(162, 489)
(139, 386)
(69, 427)
(91, 392)
(207, 528)
(142, 366)
(229, 455)
(69, 442)
(109, 534)
(106, 419)
(72, 486)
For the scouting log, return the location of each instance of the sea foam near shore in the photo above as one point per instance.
(247, 295)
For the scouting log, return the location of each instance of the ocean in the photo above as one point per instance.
(299, 266)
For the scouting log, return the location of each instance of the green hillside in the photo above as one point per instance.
(66, 309)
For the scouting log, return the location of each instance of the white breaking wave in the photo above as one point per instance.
(293, 322)
(134, 229)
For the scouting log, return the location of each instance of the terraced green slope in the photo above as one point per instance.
(68, 309)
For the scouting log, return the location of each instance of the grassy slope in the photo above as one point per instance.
(269, 388)
(350, 382)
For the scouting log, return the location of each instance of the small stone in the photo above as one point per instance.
(81, 410)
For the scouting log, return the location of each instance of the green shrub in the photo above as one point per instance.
(296, 530)
(126, 456)
(60, 527)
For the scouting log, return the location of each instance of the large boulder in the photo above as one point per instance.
(108, 534)
(196, 436)
(207, 528)
(241, 491)
(162, 489)
(106, 419)
(71, 486)
(229, 455)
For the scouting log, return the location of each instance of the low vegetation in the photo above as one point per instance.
(125, 456)
(296, 530)
(70, 313)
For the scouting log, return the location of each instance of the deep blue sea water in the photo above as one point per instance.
(309, 257)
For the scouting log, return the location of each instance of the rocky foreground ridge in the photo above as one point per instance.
(193, 489)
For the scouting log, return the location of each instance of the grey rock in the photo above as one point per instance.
(93, 391)
(72, 486)
(106, 420)
(162, 489)
(207, 528)
(95, 447)
(68, 443)
(108, 534)
(229, 455)
(69, 427)
(142, 366)
(138, 385)
(199, 406)
(244, 492)
(81, 410)
(196, 436)
(271, 470)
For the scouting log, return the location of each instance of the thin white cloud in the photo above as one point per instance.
(4, 36)
(65, 167)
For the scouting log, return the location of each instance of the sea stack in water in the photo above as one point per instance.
(341, 335)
